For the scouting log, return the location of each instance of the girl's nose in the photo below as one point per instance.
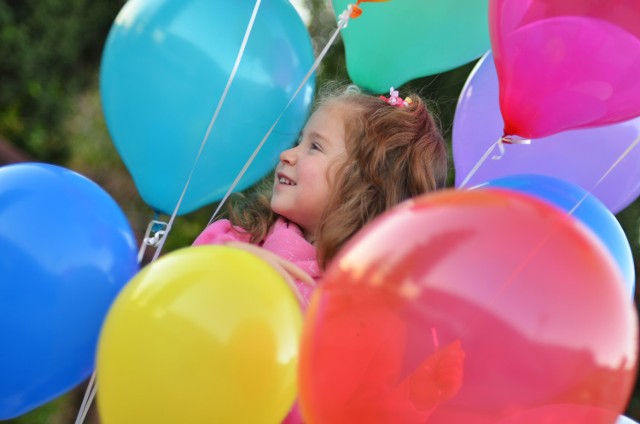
(288, 156)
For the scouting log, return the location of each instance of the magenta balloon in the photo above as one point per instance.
(581, 157)
(565, 64)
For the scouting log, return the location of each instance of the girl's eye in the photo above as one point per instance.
(315, 146)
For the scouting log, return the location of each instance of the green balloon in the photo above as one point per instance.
(399, 40)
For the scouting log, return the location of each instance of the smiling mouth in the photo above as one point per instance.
(286, 181)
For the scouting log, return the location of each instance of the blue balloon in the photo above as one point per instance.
(625, 420)
(164, 68)
(591, 212)
(66, 250)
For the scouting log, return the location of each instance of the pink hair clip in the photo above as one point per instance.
(395, 100)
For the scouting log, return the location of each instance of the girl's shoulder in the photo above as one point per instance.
(219, 232)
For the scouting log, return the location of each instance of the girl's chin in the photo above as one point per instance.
(275, 208)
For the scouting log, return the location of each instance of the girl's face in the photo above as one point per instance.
(304, 176)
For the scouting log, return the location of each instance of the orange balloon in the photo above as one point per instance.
(469, 307)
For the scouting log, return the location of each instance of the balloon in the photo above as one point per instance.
(400, 40)
(206, 334)
(588, 210)
(468, 307)
(164, 68)
(66, 249)
(560, 414)
(581, 157)
(565, 65)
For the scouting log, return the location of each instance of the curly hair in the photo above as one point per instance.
(393, 154)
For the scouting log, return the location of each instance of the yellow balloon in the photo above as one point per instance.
(206, 334)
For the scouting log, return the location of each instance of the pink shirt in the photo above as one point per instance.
(285, 239)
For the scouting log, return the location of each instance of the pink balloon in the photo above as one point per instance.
(561, 413)
(579, 156)
(565, 66)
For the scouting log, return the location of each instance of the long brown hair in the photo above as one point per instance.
(393, 154)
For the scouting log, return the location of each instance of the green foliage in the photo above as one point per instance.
(44, 414)
(42, 44)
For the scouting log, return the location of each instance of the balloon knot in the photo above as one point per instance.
(155, 234)
(508, 139)
(354, 11)
(514, 139)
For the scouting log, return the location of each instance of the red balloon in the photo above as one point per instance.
(565, 64)
(469, 307)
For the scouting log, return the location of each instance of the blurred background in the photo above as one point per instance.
(50, 111)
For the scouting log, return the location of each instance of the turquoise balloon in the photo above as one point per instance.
(164, 68)
(399, 40)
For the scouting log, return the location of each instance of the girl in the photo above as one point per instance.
(358, 155)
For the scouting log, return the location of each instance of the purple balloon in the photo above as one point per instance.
(581, 157)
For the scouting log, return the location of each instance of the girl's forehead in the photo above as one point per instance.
(329, 115)
(328, 122)
(333, 109)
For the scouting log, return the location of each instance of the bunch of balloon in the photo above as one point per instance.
(580, 156)
(165, 68)
(396, 41)
(205, 334)
(470, 306)
(565, 65)
(66, 250)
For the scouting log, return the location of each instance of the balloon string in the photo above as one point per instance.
(156, 230)
(506, 139)
(607, 172)
(91, 391)
(160, 236)
(434, 336)
(342, 23)
(86, 403)
(481, 161)
(208, 132)
(548, 235)
(528, 258)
